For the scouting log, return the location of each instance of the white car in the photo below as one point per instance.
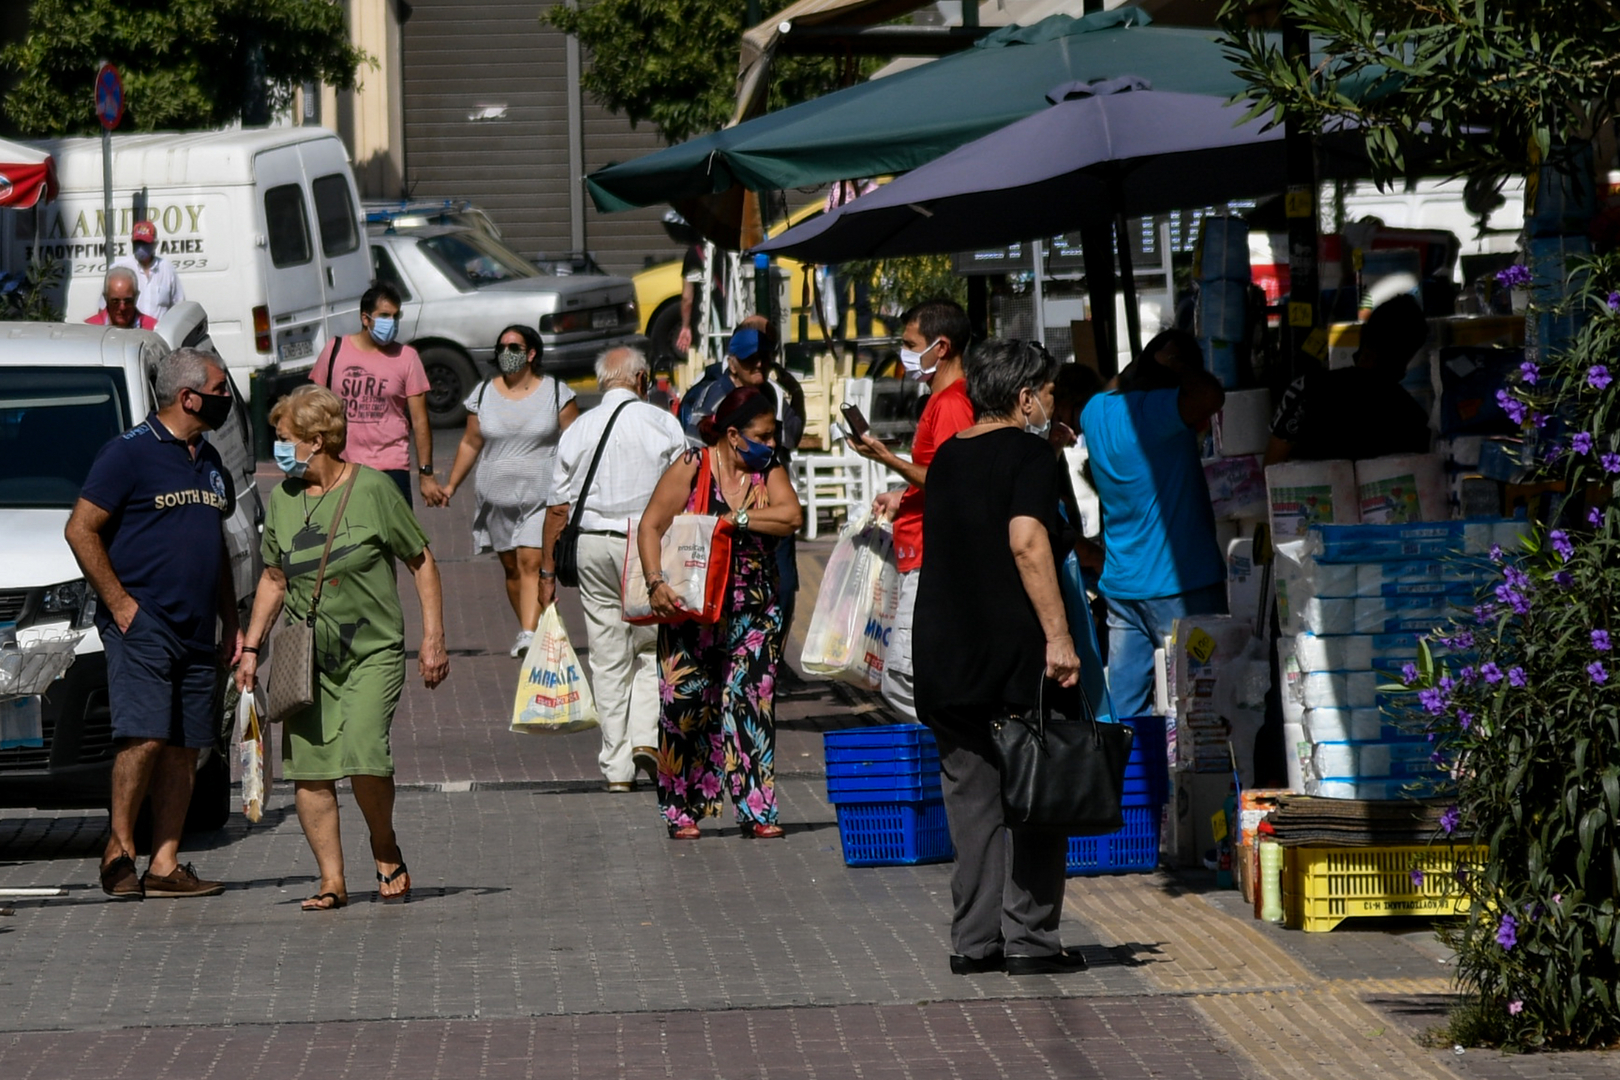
(65, 390)
(461, 287)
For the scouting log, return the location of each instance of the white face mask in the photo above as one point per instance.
(1044, 426)
(912, 362)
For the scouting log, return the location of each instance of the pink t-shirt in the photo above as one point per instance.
(374, 387)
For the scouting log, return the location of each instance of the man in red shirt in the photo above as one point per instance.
(120, 291)
(931, 348)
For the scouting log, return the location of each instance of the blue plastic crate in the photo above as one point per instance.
(1133, 849)
(894, 833)
(1149, 761)
(913, 787)
(890, 742)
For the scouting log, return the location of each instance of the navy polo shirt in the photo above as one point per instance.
(164, 536)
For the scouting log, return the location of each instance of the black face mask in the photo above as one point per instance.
(215, 409)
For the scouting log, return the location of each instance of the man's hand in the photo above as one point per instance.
(548, 591)
(683, 340)
(870, 448)
(887, 505)
(1062, 662)
(1061, 436)
(433, 662)
(432, 493)
(125, 613)
(230, 645)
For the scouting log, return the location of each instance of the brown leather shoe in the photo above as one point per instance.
(183, 882)
(120, 881)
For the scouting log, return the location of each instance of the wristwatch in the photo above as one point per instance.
(547, 574)
(425, 470)
(742, 519)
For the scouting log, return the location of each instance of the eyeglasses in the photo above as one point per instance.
(120, 301)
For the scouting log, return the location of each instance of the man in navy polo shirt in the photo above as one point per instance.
(146, 531)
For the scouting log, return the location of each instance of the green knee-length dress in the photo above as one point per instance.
(359, 626)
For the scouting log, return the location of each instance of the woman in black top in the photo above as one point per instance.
(990, 624)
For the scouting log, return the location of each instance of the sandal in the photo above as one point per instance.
(684, 832)
(389, 879)
(756, 831)
(314, 902)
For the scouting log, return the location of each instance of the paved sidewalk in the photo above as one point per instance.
(555, 931)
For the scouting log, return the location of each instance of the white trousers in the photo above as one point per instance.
(623, 659)
(898, 685)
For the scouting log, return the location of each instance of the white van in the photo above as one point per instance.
(262, 225)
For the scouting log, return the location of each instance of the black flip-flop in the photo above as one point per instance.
(402, 870)
(337, 902)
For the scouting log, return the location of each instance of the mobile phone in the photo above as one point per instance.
(854, 420)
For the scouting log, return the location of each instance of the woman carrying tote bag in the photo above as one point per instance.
(989, 624)
(716, 681)
(359, 646)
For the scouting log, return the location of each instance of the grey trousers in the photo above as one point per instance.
(1007, 885)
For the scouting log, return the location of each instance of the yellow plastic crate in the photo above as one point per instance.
(1323, 886)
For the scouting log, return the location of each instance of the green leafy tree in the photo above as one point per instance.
(673, 63)
(1495, 86)
(185, 63)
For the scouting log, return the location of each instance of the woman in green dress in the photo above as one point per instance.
(359, 631)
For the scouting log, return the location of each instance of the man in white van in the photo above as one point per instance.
(384, 390)
(120, 302)
(146, 530)
(160, 284)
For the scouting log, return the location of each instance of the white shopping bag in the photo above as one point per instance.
(248, 742)
(856, 606)
(696, 551)
(552, 694)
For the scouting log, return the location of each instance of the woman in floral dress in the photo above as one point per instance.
(717, 725)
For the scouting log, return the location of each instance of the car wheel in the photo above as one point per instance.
(662, 331)
(451, 377)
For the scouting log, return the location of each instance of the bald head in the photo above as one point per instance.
(622, 368)
(120, 291)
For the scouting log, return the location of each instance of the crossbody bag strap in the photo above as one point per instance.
(337, 519)
(590, 473)
(331, 361)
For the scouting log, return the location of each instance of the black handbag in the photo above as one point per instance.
(1061, 770)
(565, 552)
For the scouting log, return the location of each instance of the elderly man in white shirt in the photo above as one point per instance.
(160, 285)
(644, 441)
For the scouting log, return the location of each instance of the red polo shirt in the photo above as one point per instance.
(946, 413)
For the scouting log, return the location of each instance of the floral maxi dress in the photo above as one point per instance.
(716, 687)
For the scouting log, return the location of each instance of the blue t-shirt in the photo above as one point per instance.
(1158, 524)
(164, 537)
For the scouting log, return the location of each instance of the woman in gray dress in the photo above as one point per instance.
(513, 423)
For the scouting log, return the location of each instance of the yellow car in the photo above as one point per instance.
(658, 295)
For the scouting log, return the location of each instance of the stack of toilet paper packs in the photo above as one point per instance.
(1352, 601)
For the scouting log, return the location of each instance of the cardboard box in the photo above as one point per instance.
(1194, 799)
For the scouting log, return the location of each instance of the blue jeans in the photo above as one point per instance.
(1136, 628)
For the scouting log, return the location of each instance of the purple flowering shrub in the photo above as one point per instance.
(1530, 719)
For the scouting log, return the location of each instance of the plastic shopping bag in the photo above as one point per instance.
(855, 607)
(249, 745)
(552, 693)
(696, 557)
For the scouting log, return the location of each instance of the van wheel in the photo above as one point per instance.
(662, 331)
(451, 377)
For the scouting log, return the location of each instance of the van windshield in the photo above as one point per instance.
(475, 259)
(52, 422)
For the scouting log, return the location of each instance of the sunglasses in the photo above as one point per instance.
(119, 301)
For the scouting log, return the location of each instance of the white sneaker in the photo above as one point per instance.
(521, 645)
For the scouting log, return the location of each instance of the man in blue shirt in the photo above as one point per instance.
(146, 532)
(1162, 560)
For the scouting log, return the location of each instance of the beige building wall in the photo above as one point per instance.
(370, 119)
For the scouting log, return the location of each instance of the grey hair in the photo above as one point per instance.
(121, 272)
(999, 368)
(622, 371)
(183, 369)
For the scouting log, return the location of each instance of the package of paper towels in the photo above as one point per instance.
(1342, 652)
(1306, 493)
(1400, 488)
(1357, 760)
(1356, 725)
(1243, 426)
(1339, 689)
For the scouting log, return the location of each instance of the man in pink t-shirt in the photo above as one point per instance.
(384, 389)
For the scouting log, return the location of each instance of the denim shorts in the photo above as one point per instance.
(160, 687)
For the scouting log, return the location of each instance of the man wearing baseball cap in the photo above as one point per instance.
(159, 284)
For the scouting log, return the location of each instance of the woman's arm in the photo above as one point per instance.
(784, 515)
(668, 499)
(1032, 551)
(266, 603)
(570, 413)
(472, 441)
(432, 660)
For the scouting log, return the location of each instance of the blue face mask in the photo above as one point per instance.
(286, 455)
(383, 328)
(756, 457)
